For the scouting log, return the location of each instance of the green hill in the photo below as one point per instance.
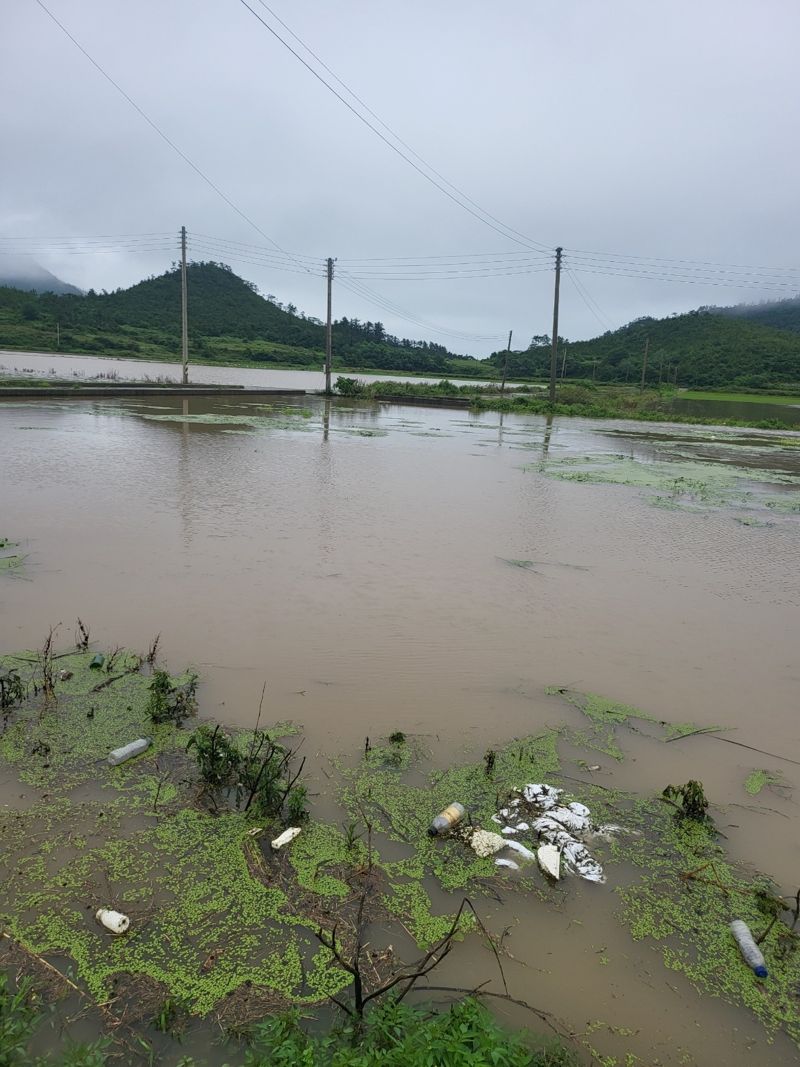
(782, 314)
(228, 319)
(702, 348)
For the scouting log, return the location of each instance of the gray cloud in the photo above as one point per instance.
(656, 130)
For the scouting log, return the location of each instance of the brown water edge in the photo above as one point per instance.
(363, 578)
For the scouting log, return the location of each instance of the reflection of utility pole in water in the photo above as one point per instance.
(505, 363)
(184, 487)
(184, 311)
(548, 430)
(326, 418)
(500, 430)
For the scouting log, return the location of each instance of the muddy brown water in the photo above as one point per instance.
(356, 558)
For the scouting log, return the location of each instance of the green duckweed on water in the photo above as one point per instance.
(10, 561)
(216, 912)
(759, 779)
(686, 484)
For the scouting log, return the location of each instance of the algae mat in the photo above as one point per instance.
(215, 912)
(688, 484)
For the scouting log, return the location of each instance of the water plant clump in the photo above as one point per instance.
(170, 701)
(760, 779)
(397, 1033)
(222, 923)
(689, 801)
(260, 779)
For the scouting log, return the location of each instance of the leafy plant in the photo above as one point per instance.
(297, 804)
(17, 1021)
(689, 799)
(217, 759)
(396, 1035)
(169, 702)
(12, 691)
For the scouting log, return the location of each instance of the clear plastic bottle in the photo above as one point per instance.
(447, 819)
(751, 953)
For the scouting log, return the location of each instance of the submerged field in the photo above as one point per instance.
(226, 928)
(466, 582)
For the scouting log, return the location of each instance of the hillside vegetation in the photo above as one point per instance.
(701, 348)
(230, 321)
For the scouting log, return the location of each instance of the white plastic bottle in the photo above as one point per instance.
(751, 953)
(135, 748)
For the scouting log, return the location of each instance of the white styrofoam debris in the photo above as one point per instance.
(506, 863)
(285, 837)
(524, 852)
(484, 843)
(549, 859)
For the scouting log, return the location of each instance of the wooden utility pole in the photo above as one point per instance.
(329, 331)
(644, 363)
(554, 349)
(184, 311)
(505, 364)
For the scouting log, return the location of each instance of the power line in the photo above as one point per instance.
(584, 295)
(651, 276)
(157, 128)
(678, 271)
(393, 133)
(488, 220)
(364, 291)
(692, 262)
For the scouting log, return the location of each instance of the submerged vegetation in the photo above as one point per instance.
(225, 924)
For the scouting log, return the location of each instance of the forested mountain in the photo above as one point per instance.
(227, 319)
(782, 314)
(701, 348)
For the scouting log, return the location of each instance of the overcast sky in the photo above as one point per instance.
(661, 129)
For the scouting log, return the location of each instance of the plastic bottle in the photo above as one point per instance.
(119, 755)
(751, 953)
(447, 819)
(114, 921)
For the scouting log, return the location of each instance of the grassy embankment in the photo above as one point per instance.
(585, 400)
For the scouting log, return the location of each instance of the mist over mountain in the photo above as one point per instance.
(22, 272)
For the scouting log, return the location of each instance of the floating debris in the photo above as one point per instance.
(285, 837)
(560, 826)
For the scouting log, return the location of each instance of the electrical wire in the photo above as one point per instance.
(392, 132)
(158, 130)
(651, 276)
(488, 220)
(587, 299)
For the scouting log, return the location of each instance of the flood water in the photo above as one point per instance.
(79, 367)
(360, 559)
